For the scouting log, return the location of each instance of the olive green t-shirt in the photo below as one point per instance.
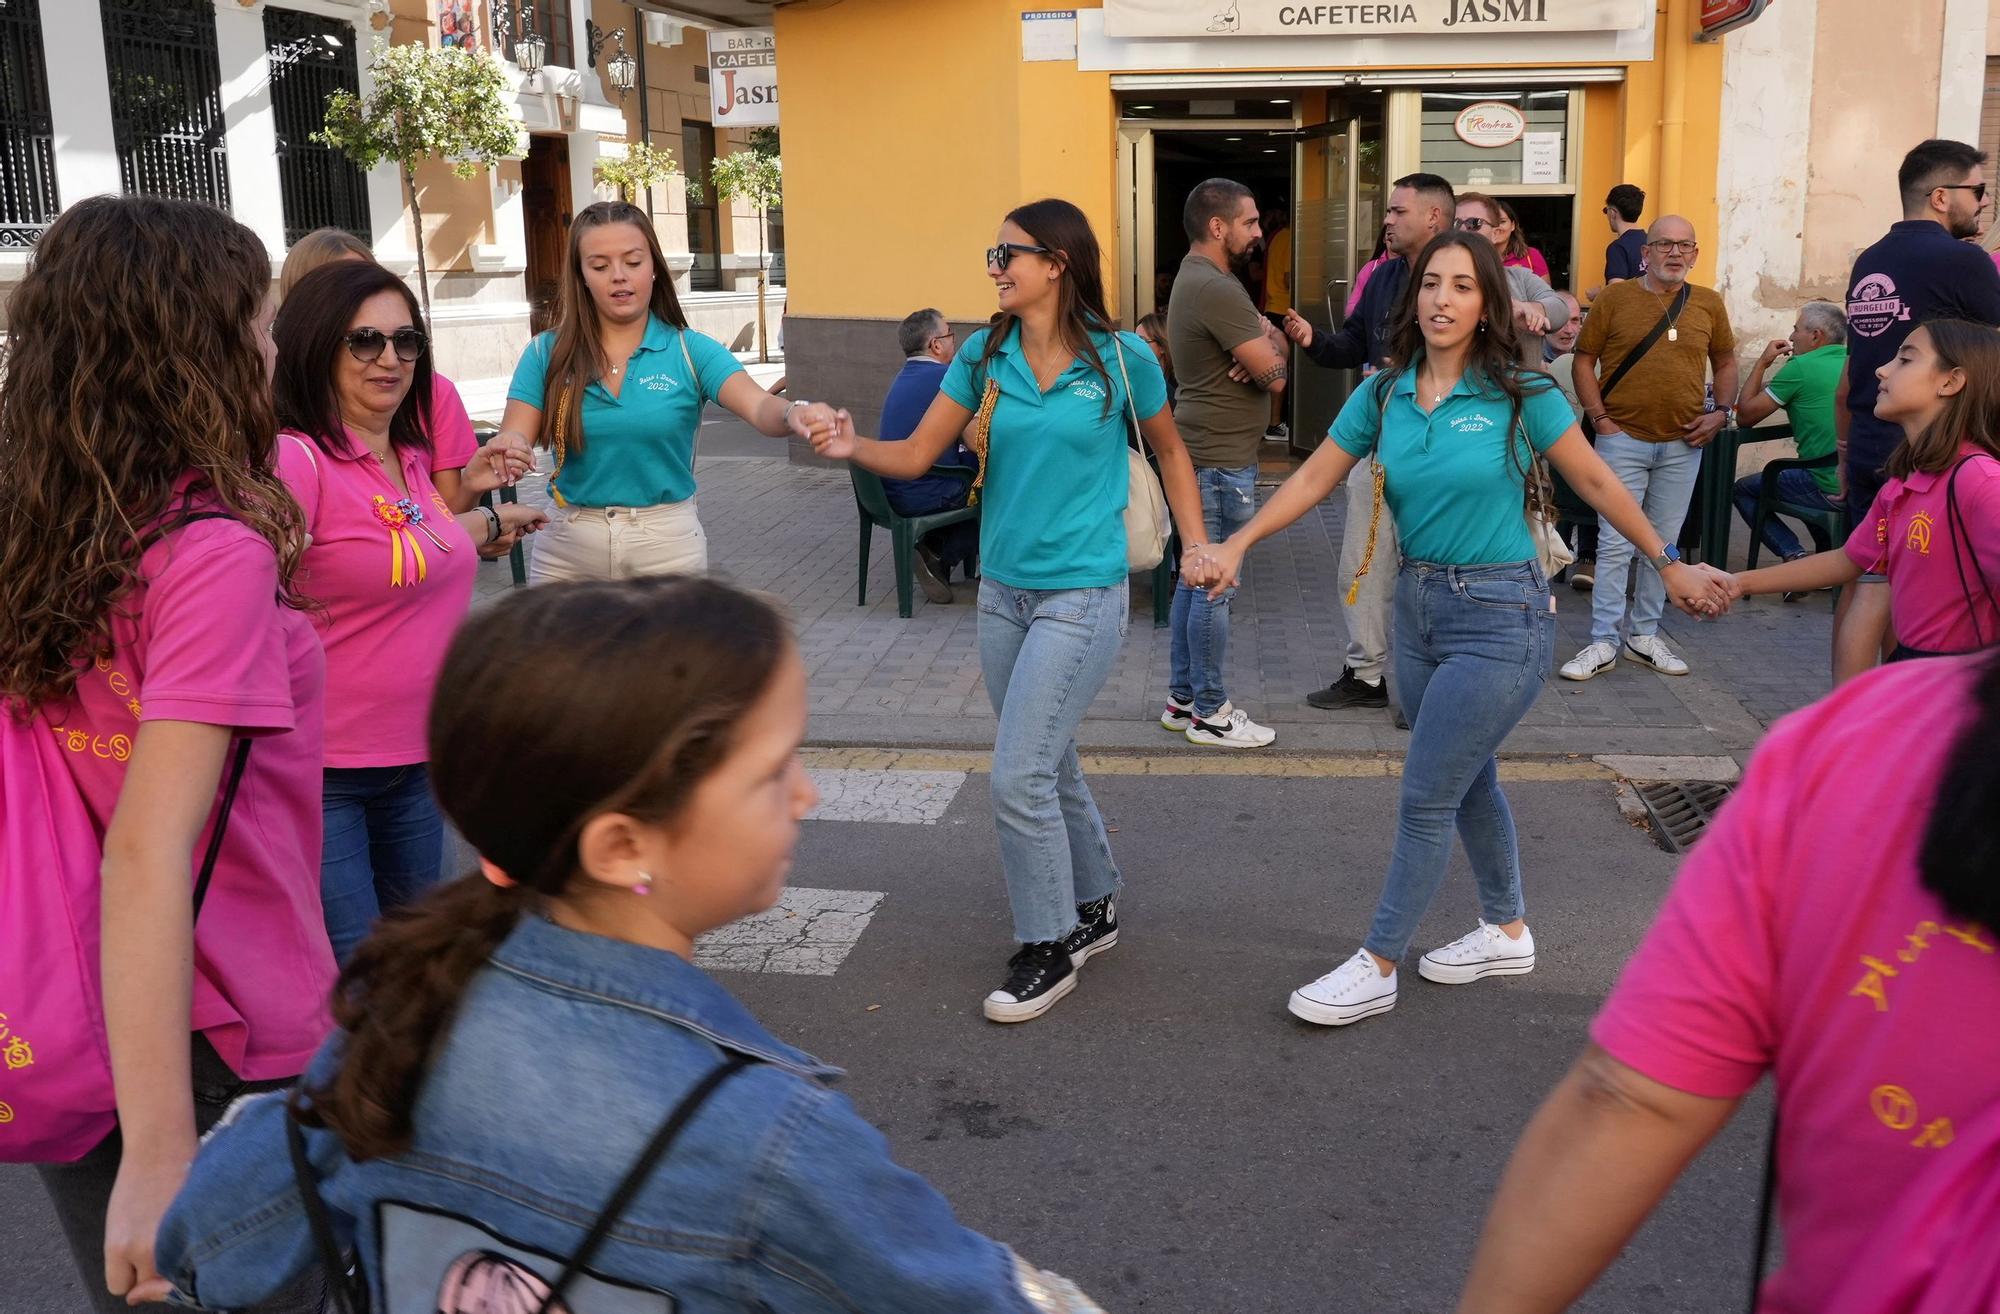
(1666, 389)
(1208, 316)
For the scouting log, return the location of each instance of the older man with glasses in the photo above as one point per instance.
(1642, 364)
(928, 345)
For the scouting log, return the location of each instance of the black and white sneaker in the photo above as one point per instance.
(1178, 716)
(1038, 975)
(1096, 930)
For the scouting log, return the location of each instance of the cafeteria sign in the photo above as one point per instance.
(1188, 18)
(743, 77)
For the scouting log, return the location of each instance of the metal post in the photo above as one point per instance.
(645, 101)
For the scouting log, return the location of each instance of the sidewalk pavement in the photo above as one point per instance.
(792, 531)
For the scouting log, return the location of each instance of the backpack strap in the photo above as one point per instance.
(642, 1169)
(348, 1294)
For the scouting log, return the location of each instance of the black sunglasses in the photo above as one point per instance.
(999, 257)
(1978, 190)
(366, 345)
(1474, 225)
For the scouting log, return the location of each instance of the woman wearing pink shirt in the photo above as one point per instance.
(1514, 249)
(1839, 928)
(1934, 529)
(390, 562)
(154, 660)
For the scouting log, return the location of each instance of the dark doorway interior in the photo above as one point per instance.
(1261, 161)
(545, 210)
(1547, 222)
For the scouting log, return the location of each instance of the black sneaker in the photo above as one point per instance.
(930, 572)
(1350, 690)
(1096, 930)
(1037, 976)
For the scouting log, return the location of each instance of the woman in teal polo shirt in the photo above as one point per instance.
(617, 389)
(1048, 386)
(1475, 622)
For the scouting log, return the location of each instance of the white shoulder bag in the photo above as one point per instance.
(1147, 523)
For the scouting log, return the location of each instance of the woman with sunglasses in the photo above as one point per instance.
(1047, 391)
(389, 561)
(617, 389)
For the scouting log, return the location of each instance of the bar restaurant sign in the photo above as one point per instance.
(1195, 18)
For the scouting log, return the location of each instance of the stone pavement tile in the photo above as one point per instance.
(790, 531)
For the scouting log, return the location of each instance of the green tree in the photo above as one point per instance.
(759, 178)
(642, 166)
(449, 104)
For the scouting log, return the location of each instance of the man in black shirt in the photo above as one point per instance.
(1922, 270)
(1420, 207)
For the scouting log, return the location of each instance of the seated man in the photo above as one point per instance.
(928, 343)
(1805, 389)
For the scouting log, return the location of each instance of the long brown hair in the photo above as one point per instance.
(133, 359)
(1064, 229)
(1493, 357)
(576, 357)
(620, 697)
(1971, 415)
(311, 331)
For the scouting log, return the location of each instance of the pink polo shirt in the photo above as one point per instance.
(1799, 938)
(393, 593)
(1939, 599)
(451, 426)
(204, 638)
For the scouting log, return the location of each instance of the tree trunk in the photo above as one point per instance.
(763, 331)
(423, 268)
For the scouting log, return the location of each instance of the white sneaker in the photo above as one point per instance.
(1597, 658)
(1652, 650)
(1230, 727)
(1178, 716)
(1350, 992)
(1484, 952)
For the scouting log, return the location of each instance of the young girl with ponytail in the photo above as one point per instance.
(535, 1101)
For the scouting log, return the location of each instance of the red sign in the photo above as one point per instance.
(1719, 16)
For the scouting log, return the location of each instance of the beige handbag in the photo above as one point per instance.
(1148, 525)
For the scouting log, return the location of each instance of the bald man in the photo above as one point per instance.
(1643, 362)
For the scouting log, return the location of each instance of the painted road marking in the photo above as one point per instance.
(1192, 763)
(867, 793)
(807, 933)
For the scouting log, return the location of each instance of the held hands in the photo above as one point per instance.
(1701, 430)
(1217, 567)
(812, 420)
(1702, 591)
(835, 440)
(499, 464)
(516, 522)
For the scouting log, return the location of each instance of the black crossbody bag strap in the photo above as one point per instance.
(348, 1295)
(1659, 331)
(1767, 1205)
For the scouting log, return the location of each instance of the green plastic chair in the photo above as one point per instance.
(872, 501)
(517, 558)
(1822, 520)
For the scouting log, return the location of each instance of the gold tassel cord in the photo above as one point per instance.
(1374, 523)
(980, 437)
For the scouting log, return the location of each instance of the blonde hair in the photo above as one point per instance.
(322, 246)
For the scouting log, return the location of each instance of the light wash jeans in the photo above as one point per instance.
(1474, 646)
(1660, 477)
(1795, 486)
(1045, 654)
(1200, 628)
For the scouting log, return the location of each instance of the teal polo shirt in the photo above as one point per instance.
(1805, 388)
(1052, 513)
(638, 447)
(1455, 491)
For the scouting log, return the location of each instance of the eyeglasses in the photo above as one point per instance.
(1474, 225)
(1675, 248)
(945, 336)
(366, 345)
(999, 257)
(1978, 189)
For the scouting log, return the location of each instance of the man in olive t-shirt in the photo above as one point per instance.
(1650, 428)
(1212, 325)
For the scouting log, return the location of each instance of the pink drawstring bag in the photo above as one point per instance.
(56, 1099)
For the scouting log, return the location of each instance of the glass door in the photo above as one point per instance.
(1336, 223)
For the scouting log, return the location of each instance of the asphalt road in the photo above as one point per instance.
(1169, 1137)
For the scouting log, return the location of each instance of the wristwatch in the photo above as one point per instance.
(1670, 556)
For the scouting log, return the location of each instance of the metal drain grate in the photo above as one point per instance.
(1681, 810)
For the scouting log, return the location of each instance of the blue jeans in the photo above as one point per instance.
(1795, 486)
(1660, 477)
(1045, 655)
(1200, 628)
(384, 846)
(1482, 638)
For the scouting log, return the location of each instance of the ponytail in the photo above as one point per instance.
(394, 998)
(1960, 858)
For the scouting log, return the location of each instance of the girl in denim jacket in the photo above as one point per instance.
(624, 756)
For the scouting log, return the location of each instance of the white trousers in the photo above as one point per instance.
(618, 542)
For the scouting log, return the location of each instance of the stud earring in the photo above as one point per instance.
(644, 885)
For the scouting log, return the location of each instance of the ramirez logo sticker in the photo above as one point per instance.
(1875, 307)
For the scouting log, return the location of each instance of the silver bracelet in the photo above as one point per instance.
(786, 418)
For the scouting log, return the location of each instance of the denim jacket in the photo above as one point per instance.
(566, 1053)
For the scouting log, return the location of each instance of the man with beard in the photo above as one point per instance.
(1214, 329)
(1922, 270)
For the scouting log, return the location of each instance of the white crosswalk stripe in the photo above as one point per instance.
(915, 798)
(807, 933)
